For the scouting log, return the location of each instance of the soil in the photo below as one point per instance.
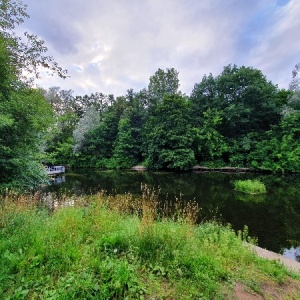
(288, 291)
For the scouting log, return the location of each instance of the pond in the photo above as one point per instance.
(272, 218)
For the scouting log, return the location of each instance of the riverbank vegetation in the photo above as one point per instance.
(250, 186)
(235, 119)
(120, 247)
(25, 115)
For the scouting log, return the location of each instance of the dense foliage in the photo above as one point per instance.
(237, 118)
(25, 115)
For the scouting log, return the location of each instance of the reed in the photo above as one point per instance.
(250, 186)
(123, 247)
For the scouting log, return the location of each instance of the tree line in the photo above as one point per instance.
(25, 115)
(238, 118)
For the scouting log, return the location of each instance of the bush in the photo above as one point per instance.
(250, 186)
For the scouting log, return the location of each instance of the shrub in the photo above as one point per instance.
(250, 186)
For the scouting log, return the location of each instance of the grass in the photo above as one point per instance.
(250, 186)
(118, 247)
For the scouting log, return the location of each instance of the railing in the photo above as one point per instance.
(55, 170)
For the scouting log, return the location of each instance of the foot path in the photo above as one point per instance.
(290, 263)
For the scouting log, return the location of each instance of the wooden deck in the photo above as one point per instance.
(55, 170)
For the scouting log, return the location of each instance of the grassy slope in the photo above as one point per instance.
(92, 251)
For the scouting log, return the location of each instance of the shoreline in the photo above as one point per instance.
(291, 264)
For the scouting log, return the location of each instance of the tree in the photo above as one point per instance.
(162, 83)
(24, 113)
(210, 143)
(248, 100)
(25, 116)
(96, 142)
(169, 135)
(98, 100)
(293, 101)
(59, 142)
(203, 97)
(231, 110)
(295, 82)
(279, 150)
(61, 101)
(292, 106)
(27, 53)
(126, 152)
(138, 114)
(86, 124)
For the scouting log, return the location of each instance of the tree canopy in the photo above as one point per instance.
(238, 118)
(25, 115)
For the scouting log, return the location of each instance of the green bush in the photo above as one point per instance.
(250, 186)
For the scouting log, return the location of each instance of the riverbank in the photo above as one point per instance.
(209, 169)
(113, 247)
(264, 253)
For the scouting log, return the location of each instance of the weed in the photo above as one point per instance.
(122, 247)
(250, 186)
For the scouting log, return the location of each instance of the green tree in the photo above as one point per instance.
(24, 113)
(86, 124)
(138, 116)
(25, 117)
(59, 142)
(97, 142)
(126, 152)
(97, 100)
(292, 104)
(210, 143)
(248, 100)
(279, 149)
(27, 52)
(290, 142)
(162, 83)
(204, 96)
(169, 135)
(247, 105)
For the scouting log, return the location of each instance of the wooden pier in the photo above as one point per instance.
(53, 170)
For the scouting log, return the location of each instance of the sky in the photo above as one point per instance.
(110, 46)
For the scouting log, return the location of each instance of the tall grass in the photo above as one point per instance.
(250, 186)
(121, 247)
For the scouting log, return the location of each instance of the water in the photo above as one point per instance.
(272, 218)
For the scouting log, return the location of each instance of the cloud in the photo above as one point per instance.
(278, 47)
(111, 46)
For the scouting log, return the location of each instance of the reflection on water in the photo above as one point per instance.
(292, 253)
(273, 218)
(57, 179)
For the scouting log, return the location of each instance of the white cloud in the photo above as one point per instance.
(111, 46)
(279, 44)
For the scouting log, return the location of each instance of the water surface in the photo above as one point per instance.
(272, 218)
